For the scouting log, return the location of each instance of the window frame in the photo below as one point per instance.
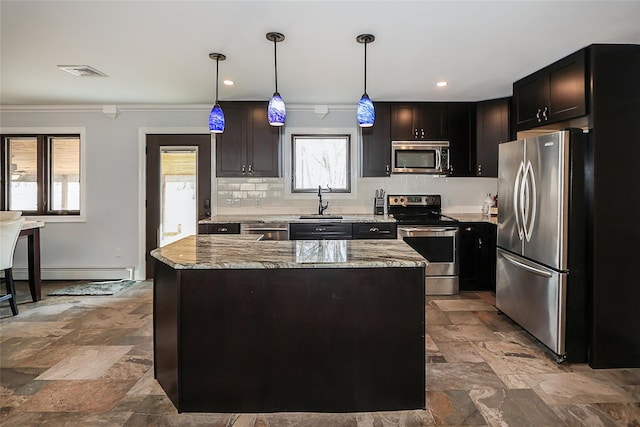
(321, 136)
(44, 163)
(286, 154)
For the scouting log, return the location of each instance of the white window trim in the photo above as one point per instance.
(353, 135)
(82, 131)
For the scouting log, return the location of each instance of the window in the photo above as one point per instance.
(321, 160)
(41, 174)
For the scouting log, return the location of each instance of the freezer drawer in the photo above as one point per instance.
(534, 297)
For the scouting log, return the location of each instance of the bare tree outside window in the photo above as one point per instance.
(321, 160)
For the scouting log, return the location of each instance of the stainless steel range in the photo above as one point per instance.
(433, 235)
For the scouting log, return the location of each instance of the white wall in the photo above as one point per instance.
(114, 171)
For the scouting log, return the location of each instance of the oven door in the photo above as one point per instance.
(437, 244)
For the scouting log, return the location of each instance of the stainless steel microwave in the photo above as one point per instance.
(420, 157)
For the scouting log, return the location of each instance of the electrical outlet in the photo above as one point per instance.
(118, 252)
(447, 201)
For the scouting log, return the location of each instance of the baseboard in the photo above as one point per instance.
(99, 273)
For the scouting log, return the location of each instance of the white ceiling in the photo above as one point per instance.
(157, 52)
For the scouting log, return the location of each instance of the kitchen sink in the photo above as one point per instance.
(318, 216)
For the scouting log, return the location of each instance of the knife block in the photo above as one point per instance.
(378, 205)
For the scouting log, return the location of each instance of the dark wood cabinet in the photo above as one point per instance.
(375, 230)
(492, 118)
(376, 143)
(477, 256)
(419, 121)
(462, 130)
(249, 146)
(320, 231)
(555, 93)
(219, 228)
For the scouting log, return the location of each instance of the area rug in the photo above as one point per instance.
(96, 288)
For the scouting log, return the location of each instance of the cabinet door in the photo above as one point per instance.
(431, 120)
(402, 122)
(530, 97)
(567, 88)
(231, 146)
(470, 256)
(492, 129)
(461, 137)
(262, 143)
(376, 143)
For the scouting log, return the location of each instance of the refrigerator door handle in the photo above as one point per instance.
(517, 202)
(531, 195)
(534, 270)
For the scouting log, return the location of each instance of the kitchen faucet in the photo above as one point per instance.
(321, 207)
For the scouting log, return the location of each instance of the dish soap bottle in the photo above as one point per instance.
(486, 206)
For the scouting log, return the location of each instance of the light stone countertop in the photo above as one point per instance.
(289, 218)
(211, 251)
(474, 217)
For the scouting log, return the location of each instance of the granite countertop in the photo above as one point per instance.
(271, 219)
(473, 217)
(212, 251)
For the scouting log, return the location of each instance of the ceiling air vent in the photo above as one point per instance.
(82, 70)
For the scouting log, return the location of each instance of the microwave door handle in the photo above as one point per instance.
(438, 161)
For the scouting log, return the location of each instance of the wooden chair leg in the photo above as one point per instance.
(11, 290)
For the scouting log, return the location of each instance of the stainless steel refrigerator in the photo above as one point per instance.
(542, 239)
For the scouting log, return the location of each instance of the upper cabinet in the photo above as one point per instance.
(553, 94)
(418, 121)
(493, 120)
(461, 134)
(248, 147)
(376, 143)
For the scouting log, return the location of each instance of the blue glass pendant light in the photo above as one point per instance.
(366, 114)
(216, 117)
(276, 111)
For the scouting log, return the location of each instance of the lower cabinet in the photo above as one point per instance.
(219, 228)
(477, 256)
(320, 231)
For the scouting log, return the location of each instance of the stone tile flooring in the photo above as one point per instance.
(89, 361)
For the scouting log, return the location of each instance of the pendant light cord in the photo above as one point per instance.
(217, 62)
(365, 67)
(275, 62)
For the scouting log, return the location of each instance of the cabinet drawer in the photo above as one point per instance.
(219, 228)
(320, 231)
(375, 230)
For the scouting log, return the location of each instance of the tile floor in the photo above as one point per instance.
(89, 361)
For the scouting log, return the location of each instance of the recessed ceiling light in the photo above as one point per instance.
(441, 84)
(82, 70)
(228, 82)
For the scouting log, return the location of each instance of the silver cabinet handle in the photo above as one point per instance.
(222, 230)
(387, 170)
(468, 229)
(544, 114)
(243, 169)
(320, 229)
(374, 230)
(479, 169)
(538, 115)
(250, 169)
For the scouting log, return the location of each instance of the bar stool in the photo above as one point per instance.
(9, 232)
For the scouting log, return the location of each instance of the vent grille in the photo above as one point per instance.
(82, 70)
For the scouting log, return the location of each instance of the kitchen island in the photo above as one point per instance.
(318, 326)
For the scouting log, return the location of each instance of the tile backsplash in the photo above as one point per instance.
(269, 195)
